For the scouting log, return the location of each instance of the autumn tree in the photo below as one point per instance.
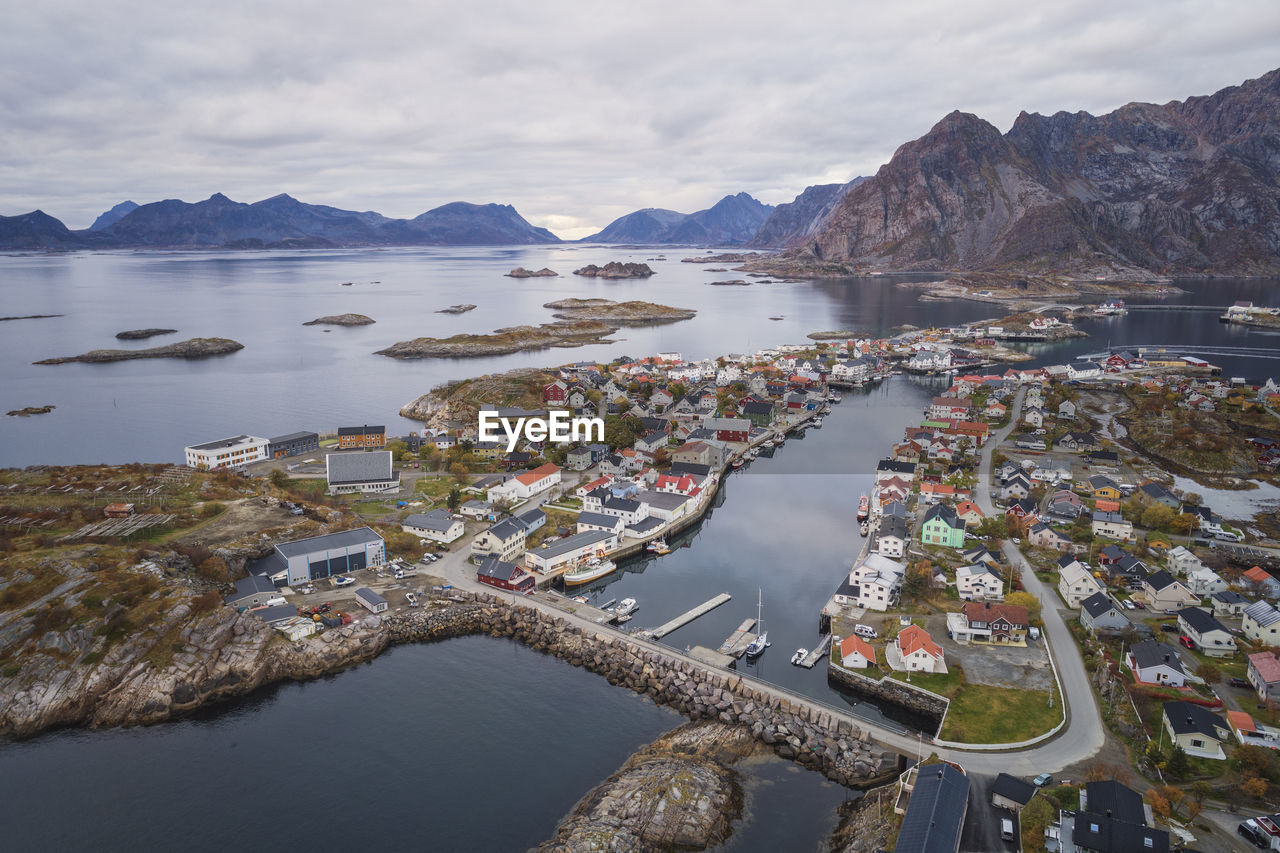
(1159, 804)
(1210, 673)
(1027, 600)
(917, 583)
(1157, 517)
(1253, 787)
(279, 478)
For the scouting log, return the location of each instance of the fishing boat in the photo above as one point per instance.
(834, 397)
(739, 462)
(799, 656)
(761, 642)
(864, 528)
(658, 546)
(817, 423)
(626, 607)
(581, 599)
(864, 508)
(592, 569)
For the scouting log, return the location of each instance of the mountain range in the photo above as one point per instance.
(732, 221)
(1188, 186)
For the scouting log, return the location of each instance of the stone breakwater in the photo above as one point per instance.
(225, 654)
(917, 708)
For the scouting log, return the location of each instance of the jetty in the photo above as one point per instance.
(738, 641)
(689, 615)
(809, 660)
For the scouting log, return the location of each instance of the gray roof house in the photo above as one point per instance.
(252, 591)
(361, 472)
(1099, 612)
(936, 812)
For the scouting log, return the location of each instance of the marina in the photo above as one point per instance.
(811, 657)
(738, 642)
(689, 615)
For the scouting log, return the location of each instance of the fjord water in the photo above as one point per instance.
(291, 377)
(470, 744)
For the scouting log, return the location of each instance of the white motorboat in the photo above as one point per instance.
(626, 607)
(799, 656)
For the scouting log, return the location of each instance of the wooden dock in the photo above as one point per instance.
(706, 655)
(689, 615)
(738, 641)
(817, 654)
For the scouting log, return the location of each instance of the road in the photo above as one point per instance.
(981, 833)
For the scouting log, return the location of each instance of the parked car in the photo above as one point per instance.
(1169, 628)
(1042, 780)
(1128, 605)
(1203, 543)
(1237, 681)
(1186, 641)
(1251, 832)
(865, 631)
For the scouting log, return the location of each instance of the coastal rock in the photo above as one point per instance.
(865, 824)
(194, 348)
(32, 317)
(633, 313)
(732, 282)
(678, 793)
(841, 335)
(142, 334)
(521, 272)
(461, 308)
(503, 341)
(342, 320)
(615, 269)
(30, 410)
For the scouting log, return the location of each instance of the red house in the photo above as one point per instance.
(556, 392)
(730, 429)
(504, 575)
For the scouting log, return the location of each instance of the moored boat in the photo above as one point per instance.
(592, 569)
(799, 656)
(658, 546)
(761, 642)
(739, 462)
(626, 607)
(864, 509)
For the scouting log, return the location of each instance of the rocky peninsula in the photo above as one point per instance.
(635, 313)
(194, 348)
(680, 792)
(461, 308)
(460, 400)
(615, 269)
(504, 341)
(143, 334)
(342, 320)
(30, 410)
(32, 317)
(521, 272)
(839, 335)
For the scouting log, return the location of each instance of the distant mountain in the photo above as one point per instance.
(794, 221)
(277, 222)
(115, 214)
(1187, 186)
(733, 220)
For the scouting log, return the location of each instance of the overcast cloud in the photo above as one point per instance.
(573, 112)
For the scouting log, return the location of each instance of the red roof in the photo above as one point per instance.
(913, 638)
(528, 478)
(1258, 575)
(1241, 721)
(854, 643)
(982, 611)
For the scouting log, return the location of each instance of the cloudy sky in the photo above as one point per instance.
(574, 112)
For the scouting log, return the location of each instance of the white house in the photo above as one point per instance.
(1205, 581)
(1076, 583)
(891, 541)
(1164, 593)
(856, 653)
(1112, 525)
(437, 525)
(918, 652)
(979, 582)
(1260, 622)
(1156, 663)
(526, 485)
(875, 583)
(1181, 561)
(1209, 635)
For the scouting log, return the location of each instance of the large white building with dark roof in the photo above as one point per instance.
(367, 472)
(227, 452)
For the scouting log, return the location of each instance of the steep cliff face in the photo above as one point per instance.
(793, 222)
(1190, 186)
(731, 221)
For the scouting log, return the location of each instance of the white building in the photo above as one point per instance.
(227, 452)
(876, 583)
(570, 550)
(361, 471)
(979, 582)
(330, 554)
(526, 485)
(437, 525)
(1076, 583)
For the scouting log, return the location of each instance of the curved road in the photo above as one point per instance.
(1079, 739)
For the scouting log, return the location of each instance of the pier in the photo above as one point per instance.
(809, 660)
(736, 645)
(689, 615)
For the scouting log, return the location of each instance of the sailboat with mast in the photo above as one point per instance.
(761, 642)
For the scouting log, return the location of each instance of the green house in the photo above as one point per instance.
(942, 527)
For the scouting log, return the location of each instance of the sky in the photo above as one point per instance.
(573, 112)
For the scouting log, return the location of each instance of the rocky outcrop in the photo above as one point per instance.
(794, 221)
(32, 317)
(633, 313)
(678, 793)
(460, 308)
(521, 272)
(835, 335)
(342, 320)
(615, 269)
(143, 334)
(731, 282)
(867, 824)
(30, 410)
(194, 348)
(503, 341)
(1190, 186)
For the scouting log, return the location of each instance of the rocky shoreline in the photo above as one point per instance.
(460, 308)
(564, 334)
(521, 272)
(342, 320)
(143, 334)
(634, 313)
(226, 654)
(194, 348)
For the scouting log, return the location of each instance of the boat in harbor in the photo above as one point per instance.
(626, 607)
(738, 463)
(817, 422)
(658, 546)
(593, 569)
(834, 396)
(864, 508)
(581, 599)
(1114, 307)
(761, 642)
(799, 656)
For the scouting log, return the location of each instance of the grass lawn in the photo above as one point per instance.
(434, 487)
(983, 714)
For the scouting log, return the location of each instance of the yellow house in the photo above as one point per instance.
(487, 450)
(1104, 487)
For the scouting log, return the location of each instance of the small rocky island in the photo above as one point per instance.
(194, 348)
(30, 410)
(635, 313)
(521, 272)
(461, 308)
(615, 269)
(505, 341)
(680, 792)
(143, 334)
(32, 317)
(731, 282)
(342, 320)
(838, 335)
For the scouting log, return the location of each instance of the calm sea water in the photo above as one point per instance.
(417, 747)
(291, 377)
